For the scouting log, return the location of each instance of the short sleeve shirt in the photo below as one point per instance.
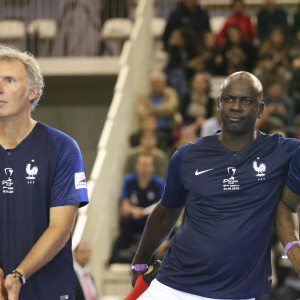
(222, 249)
(142, 197)
(293, 178)
(45, 170)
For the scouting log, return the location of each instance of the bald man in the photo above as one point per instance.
(229, 184)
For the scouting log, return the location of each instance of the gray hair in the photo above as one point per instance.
(34, 76)
(158, 74)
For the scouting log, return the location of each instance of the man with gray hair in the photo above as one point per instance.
(42, 185)
(160, 101)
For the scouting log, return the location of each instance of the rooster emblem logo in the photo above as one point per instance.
(32, 171)
(260, 169)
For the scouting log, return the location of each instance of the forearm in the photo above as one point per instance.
(48, 245)
(168, 108)
(285, 224)
(158, 227)
(142, 107)
(51, 241)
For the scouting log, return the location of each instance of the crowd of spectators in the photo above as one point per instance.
(269, 48)
(178, 105)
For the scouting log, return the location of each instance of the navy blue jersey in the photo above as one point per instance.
(293, 178)
(43, 171)
(222, 248)
(142, 197)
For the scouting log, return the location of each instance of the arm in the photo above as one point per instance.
(143, 106)
(169, 105)
(49, 244)
(2, 289)
(158, 227)
(286, 226)
(128, 209)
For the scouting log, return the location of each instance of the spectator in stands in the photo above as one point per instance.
(187, 14)
(186, 134)
(294, 86)
(238, 53)
(141, 190)
(210, 59)
(267, 68)
(269, 17)
(297, 20)
(278, 104)
(277, 46)
(182, 50)
(295, 46)
(149, 123)
(240, 19)
(271, 125)
(148, 145)
(197, 104)
(160, 101)
(85, 286)
(297, 127)
(212, 124)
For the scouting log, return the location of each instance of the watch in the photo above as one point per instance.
(20, 276)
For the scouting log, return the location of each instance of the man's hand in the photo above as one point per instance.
(12, 285)
(137, 212)
(294, 256)
(2, 288)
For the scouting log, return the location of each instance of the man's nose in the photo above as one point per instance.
(236, 105)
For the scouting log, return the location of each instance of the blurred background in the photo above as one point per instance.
(117, 70)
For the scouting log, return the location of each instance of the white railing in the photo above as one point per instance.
(98, 222)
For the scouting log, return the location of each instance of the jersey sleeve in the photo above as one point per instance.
(69, 183)
(161, 187)
(293, 177)
(174, 193)
(125, 191)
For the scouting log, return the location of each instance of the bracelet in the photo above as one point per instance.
(289, 245)
(139, 267)
(20, 276)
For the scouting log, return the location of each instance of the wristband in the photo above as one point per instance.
(20, 276)
(289, 245)
(139, 267)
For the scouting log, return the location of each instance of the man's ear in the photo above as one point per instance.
(261, 110)
(33, 94)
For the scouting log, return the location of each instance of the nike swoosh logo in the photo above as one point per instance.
(201, 172)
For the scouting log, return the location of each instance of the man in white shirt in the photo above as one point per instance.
(85, 287)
